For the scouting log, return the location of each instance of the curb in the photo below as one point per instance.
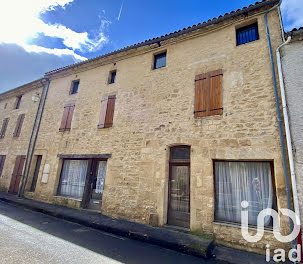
(198, 249)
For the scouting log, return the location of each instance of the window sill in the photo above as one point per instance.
(69, 198)
(162, 68)
(253, 228)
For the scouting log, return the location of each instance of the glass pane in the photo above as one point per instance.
(180, 153)
(99, 180)
(112, 77)
(160, 60)
(73, 177)
(179, 189)
(239, 181)
(75, 87)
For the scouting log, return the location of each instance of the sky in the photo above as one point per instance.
(37, 36)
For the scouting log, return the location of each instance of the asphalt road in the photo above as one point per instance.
(31, 237)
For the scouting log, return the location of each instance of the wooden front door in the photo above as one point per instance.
(96, 185)
(179, 187)
(17, 174)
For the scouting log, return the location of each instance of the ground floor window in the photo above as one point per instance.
(238, 181)
(73, 178)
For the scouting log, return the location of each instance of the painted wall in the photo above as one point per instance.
(292, 65)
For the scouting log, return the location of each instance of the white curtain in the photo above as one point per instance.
(101, 177)
(73, 178)
(239, 181)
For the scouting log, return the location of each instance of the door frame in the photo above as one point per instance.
(91, 171)
(177, 163)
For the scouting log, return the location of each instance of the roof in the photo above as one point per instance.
(295, 31)
(215, 20)
(21, 89)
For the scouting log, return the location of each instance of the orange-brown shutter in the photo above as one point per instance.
(19, 125)
(103, 113)
(208, 94)
(67, 117)
(4, 127)
(70, 117)
(110, 111)
(2, 160)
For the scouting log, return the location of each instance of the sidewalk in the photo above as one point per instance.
(178, 241)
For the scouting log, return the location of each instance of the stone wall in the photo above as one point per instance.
(154, 111)
(13, 146)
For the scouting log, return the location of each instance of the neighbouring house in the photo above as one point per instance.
(292, 66)
(177, 130)
(18, 109)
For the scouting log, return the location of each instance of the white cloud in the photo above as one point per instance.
(292, 11)
(20, 22)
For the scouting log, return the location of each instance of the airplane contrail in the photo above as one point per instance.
(120, 10)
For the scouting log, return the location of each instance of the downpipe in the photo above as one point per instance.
(282, 142)
(25, 176)
(288, 134)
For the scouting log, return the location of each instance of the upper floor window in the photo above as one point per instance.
(75, 87)
(209, 94)
(107, 111)
(112, 77)
(247, 34)
(4, 127)
(67, 117)
(160, 60)
(19, 125)
(18, 102)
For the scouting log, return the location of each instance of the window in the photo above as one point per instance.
(208, 94)
(4, 127)
(18, 102)
(247, 34)
(237, 181)
(67, 117)
(2, 160)
(72, 180)
(159, 60)
(19, 125)
(107, 112)
(75, 87)
(112, 77)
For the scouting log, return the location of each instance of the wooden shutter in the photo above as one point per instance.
(67, 117)
(2, 160)
(208, 94)
(70, 117)
(4, 127)
(17, 174)
(103, 113)
(19, 125)
(107, 112)
(110, 111)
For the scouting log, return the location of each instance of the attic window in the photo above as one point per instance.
(18, 102)
(247, 34)
(112, 77)
(159, 60)
(75, 87)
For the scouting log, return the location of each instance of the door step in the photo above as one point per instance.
(177, 228)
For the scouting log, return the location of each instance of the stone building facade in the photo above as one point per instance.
(292, 65)
(17, 115)
(142, 143)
